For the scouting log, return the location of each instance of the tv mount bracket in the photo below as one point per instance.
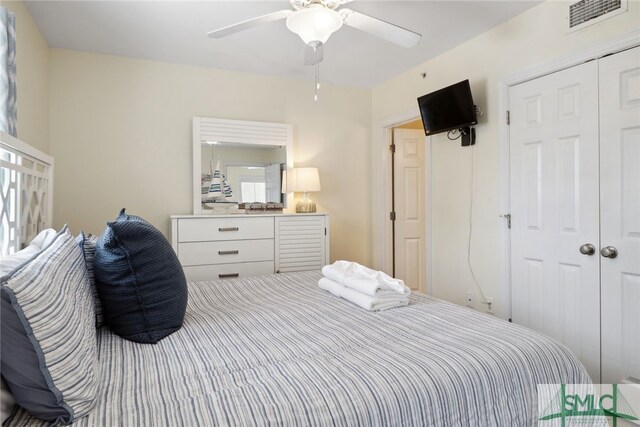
(468, 136)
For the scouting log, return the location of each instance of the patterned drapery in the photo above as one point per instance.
(8, 111)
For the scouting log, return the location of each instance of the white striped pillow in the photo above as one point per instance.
(14, 261)
(49, 353)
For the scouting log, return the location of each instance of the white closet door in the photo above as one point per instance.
(410, 207)
(554, 208)
(620, 214)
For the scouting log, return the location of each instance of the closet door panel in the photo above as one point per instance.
(554, 208)
(620, 214)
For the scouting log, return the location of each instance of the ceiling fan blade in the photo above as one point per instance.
(241, 26)
(379, 28)
(314, 54)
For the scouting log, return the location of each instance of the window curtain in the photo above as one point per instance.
(8, 112)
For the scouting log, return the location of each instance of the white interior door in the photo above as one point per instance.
(410, 224)
(620, 214)
(554, 209)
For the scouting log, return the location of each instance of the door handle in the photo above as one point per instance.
(226, 276)
(587, 249)
(228, 229)
(609, 252)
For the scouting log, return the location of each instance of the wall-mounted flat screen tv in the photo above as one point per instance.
(448, 109)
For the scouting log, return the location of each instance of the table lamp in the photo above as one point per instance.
(304, 180)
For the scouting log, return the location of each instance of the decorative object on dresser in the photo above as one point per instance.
(304, 180)
(215, 187)
(216, 191)
(257, 207)
(228, 246)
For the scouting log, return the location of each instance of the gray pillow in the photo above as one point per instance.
(49, 356)
(87, 243)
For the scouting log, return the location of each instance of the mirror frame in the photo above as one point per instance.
(239, 132)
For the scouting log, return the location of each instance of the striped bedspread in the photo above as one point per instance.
(277, 350)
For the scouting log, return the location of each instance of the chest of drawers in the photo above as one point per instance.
(227, 246)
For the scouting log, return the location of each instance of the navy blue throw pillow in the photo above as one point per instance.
(140, 281)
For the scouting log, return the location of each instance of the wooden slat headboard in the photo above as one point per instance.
(26, 193)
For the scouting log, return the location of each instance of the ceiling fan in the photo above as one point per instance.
(315, 20)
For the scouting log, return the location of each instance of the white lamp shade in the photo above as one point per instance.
(314, 23)
(303, 179)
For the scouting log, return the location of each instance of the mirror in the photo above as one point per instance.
(241, 173)
(237, 161)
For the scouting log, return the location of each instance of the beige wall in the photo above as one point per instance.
(32, 67)
(535, 36)
(121, 137)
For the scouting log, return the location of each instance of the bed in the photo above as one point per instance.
(277, 350)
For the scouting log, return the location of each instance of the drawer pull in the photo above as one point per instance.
(228, 252)
(226, 276)
(228, 229)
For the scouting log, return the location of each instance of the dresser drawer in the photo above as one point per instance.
(225, 252)
(206, 229)
(200, 273)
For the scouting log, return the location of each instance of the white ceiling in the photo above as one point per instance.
(175, 31)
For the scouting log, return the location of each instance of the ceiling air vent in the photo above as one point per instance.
(583, 13)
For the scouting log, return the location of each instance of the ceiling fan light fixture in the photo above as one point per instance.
(314, 23)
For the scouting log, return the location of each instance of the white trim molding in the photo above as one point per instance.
(578, 56)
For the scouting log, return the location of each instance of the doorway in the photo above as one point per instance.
(408, 210)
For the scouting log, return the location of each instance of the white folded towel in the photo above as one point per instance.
(368, 302)
(363, 279)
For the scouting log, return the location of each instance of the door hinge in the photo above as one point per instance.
(508, 117)
(392, 148)
(508, 218)
(392, 216)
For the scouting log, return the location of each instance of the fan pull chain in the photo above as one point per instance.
(317, 82)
